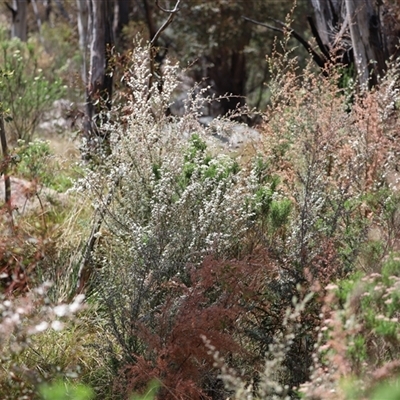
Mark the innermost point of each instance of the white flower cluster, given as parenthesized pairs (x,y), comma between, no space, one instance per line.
(174,200)
(32,314)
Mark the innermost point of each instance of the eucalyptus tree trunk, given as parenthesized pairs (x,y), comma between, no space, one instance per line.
(48,9)
(327,15)
(19,12)
(99,80)
(365,32)
(83,29)
(4,164)
(122,9)
(351,31)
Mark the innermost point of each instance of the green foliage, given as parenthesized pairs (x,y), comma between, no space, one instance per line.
(26,93)
(33,159)
(64,391)
(364,319)
(346,286)
(36,162)
(214,168)
(357,349)
(280,212)
(61,390)
(61,50)
(379,301)
(265,188)
(270,208)
(388,391)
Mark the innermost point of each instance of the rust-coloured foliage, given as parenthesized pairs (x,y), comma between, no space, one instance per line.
(214,305)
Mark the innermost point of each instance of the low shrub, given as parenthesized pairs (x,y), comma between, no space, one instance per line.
(26,93)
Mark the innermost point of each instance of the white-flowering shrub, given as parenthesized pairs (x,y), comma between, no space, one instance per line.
(166,200)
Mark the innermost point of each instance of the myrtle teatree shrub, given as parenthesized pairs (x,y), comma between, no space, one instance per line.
(309,141)
(167,200)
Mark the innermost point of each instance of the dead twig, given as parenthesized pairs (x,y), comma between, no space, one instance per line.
(153,41)
(174,10)
(319,60)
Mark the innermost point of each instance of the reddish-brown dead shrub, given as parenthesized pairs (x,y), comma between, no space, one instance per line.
(214,305)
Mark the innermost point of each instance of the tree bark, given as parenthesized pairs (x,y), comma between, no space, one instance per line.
(365,37)
(48,9)
(149,19)
(358,33)
(4,169)
(18,26)
(328,15)
(38,20)
(61,9)
(97,48)
(351,31)
(122,9)
(83,29)
(99,83)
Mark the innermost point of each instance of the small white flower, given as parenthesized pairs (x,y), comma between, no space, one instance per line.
(57,325)
(77,304)
(41,327)
(61,310)
(15,318)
